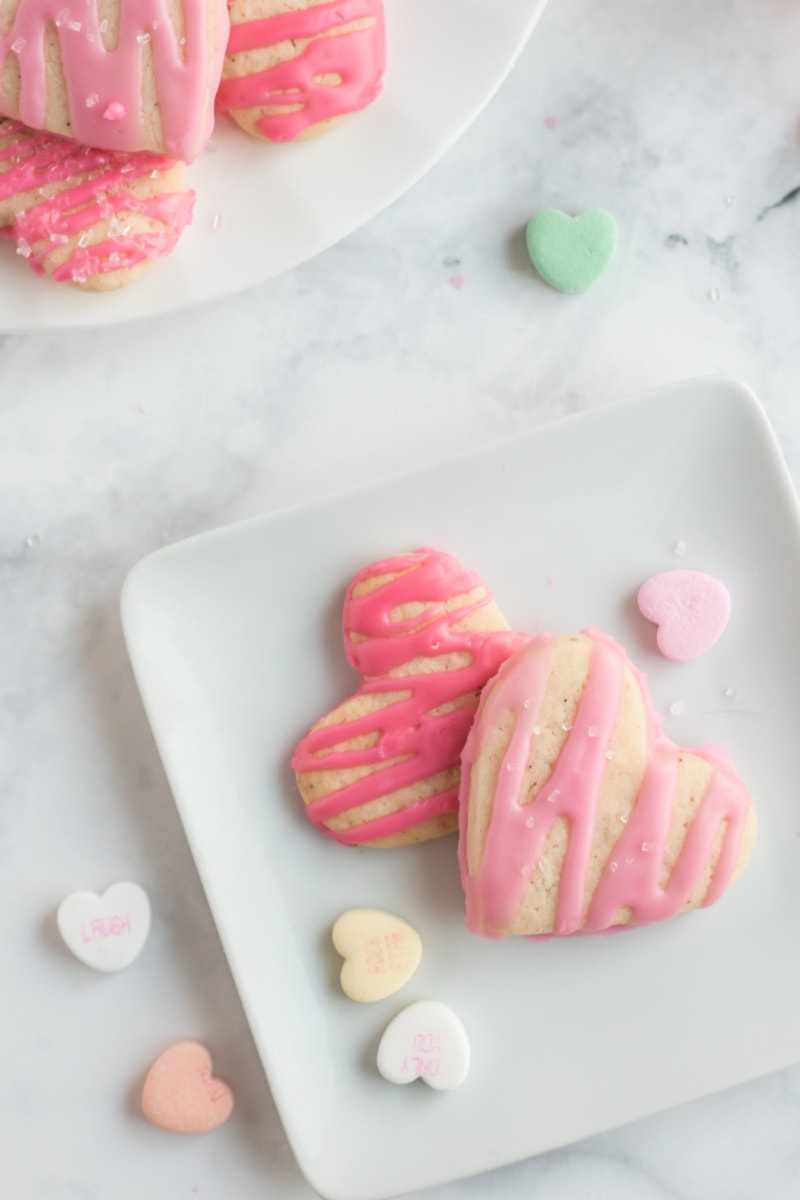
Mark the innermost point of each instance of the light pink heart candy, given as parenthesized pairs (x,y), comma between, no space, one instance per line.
(690,608)
(181,1093)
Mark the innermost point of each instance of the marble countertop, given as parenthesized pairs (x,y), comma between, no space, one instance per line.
(681,118)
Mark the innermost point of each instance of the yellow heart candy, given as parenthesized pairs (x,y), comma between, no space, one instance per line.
(381,952)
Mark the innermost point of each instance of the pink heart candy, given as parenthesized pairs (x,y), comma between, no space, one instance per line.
(181,1094)
(690,608)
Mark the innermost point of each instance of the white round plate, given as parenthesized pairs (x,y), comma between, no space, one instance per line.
(263,209)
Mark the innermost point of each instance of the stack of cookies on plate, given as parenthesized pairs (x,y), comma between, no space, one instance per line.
(575,813)
(103,103)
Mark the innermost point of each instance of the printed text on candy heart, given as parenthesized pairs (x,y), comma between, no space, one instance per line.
(425,1058)
(215,1089)
(102,927)
(385,954)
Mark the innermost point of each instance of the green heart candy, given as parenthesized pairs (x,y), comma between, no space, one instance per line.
(570,253)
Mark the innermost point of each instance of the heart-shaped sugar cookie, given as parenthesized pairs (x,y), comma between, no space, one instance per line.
(577,813)
(181,1094)
(425,635)
(106,932)
(336,65)
(570,253)
(121,75)
(381,952)
(690,608)
(425,1041)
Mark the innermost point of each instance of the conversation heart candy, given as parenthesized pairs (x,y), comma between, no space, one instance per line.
(570,253)
(180,1093)
(425,1041)
(381,952)
(690,608)
(106,932)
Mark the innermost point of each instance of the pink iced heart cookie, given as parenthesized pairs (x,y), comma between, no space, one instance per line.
(577,813)
(181,1094)
(296,68)
(381,769)
(117,75)
(690,608)
(104,218)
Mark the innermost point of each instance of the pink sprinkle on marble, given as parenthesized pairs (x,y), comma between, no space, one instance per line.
(459,282)
(115,111)
(552,122)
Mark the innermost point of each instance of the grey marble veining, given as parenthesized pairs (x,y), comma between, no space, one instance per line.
(682,118)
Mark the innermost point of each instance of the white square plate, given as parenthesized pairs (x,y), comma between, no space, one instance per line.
(235,642)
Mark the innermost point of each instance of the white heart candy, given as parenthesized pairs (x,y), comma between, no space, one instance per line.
(106,932)
(425,1041)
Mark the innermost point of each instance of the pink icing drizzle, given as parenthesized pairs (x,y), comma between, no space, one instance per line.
(99,193)
(358,57)
(408,727)
(513,847)
(96,77)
